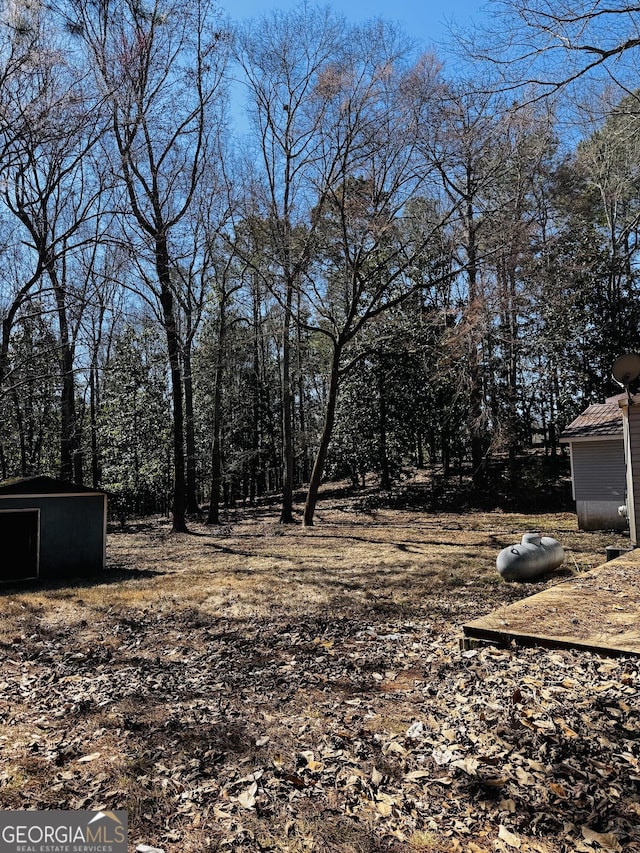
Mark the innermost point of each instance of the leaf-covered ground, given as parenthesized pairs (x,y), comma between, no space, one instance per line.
(259,687)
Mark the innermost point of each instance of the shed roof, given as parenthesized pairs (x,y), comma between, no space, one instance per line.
(600,420)
(41,485)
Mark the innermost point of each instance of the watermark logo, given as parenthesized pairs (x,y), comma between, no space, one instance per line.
(63,832)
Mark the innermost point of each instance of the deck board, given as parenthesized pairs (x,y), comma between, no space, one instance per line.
(596,611)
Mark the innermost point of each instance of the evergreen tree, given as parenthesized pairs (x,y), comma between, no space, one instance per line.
(134,431)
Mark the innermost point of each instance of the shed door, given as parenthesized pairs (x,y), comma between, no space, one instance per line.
(18,544)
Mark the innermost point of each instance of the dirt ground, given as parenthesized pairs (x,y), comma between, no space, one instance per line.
(259,687)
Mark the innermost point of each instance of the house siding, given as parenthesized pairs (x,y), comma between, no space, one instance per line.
(599,470)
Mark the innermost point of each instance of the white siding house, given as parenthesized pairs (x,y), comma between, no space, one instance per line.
(598,473)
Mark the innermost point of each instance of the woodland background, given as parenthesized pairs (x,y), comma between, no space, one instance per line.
(393,259)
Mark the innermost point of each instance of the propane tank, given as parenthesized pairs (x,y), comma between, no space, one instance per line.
(534,556)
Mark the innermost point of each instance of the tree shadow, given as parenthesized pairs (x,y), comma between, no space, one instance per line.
(115,573)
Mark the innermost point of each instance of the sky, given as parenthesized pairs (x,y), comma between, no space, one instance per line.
(426,21)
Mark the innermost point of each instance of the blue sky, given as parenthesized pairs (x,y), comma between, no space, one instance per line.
(424,20)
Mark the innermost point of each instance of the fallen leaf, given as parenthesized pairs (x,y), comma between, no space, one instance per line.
(394,746)
(415,730)
(442,756)
(566,730)
(606,840)
(524,778)
(384,808)
(494,781)
(295,780)
(416,776)
(86,758)
(469,765)
(310,762)
(509,838)
(247,798)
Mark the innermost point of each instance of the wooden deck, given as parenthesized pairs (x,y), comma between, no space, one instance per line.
(597,611)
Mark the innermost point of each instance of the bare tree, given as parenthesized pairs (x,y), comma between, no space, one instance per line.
(160,70)
(373,165)
(468,161)
(284,58)
(226,283)
(49,129)
(544,46)
(18,47)
(199,273)
(103,268)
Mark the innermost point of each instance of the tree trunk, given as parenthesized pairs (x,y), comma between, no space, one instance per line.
(3,464)
(286,515)
(512,373)
(256,482)
(173,349)
(213,516)
(475,378)
(93,406)
(321,455)
(385,477)
(190,435)
(94,401)
(302,415)
(4,349)
(20,423)
(69,467)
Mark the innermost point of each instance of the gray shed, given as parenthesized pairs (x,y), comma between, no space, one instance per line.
(598,474)
(50,529)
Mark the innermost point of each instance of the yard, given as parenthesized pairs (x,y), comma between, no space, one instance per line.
(260,687)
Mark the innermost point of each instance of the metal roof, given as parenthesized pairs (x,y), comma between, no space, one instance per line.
(600,420)
(43,486)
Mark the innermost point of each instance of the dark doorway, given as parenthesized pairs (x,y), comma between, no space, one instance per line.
(19,545)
